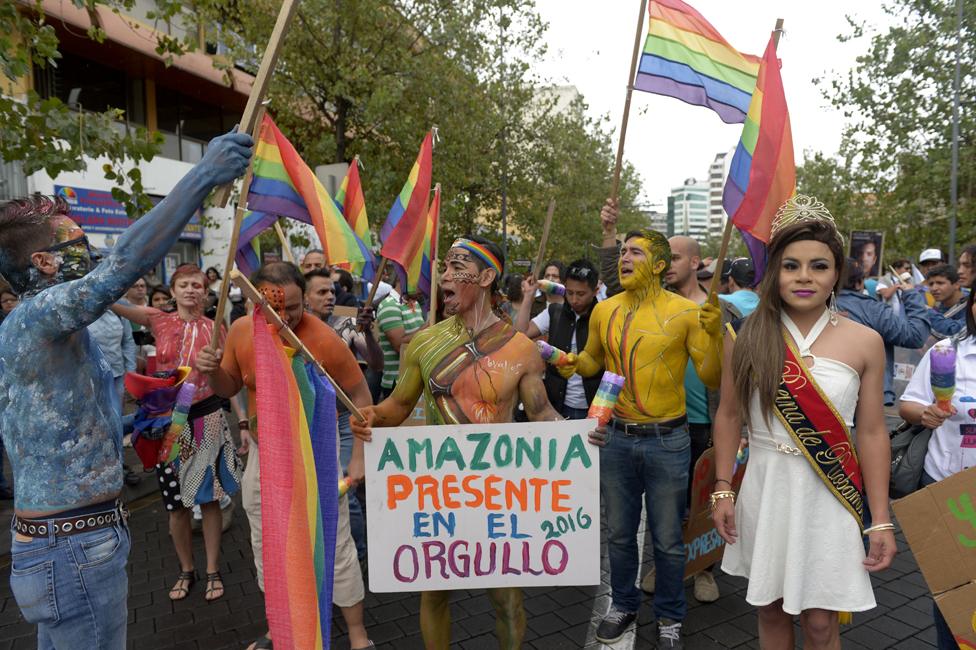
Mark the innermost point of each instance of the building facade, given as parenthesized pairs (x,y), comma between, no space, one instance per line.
(691,209)
(718,171)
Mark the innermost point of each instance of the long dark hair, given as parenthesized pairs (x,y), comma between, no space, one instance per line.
(757,360)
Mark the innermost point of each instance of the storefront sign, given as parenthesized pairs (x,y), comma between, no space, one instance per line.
(97,212)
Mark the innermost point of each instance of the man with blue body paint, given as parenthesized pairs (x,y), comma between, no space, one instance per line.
(57,397)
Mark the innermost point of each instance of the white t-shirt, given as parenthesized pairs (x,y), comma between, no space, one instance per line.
(952,447)
(575,395)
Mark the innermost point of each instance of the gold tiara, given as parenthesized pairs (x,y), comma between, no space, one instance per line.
(799,209)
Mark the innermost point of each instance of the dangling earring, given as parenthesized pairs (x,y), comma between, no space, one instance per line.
(832,308)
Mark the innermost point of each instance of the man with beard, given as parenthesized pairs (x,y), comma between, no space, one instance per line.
(59,425)
(471,367)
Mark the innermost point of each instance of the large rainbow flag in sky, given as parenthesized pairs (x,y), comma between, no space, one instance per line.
(762,176)
(406,228)
(352,204)
(685,57)
(283,185)
(300,495)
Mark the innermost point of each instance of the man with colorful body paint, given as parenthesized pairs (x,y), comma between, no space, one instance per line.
(471,367)
(647,334)
(57,394)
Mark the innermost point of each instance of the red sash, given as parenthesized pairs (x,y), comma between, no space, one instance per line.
(819,432)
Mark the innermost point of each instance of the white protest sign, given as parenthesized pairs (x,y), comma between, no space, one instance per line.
(483,505)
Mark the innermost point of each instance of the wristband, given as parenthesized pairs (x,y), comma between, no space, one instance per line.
(722,480)
(244,424)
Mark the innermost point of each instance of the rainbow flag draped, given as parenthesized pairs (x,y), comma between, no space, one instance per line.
(283,185)
(299,487)
(352,205)
(762,175)
(685,57)
(406,228)
(248,256)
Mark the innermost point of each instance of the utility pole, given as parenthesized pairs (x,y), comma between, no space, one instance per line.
(954,174)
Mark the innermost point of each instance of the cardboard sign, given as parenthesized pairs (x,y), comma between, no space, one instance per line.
(483,505)
(703,545)
(939,522)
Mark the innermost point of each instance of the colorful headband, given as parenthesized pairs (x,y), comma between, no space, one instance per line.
(483,253)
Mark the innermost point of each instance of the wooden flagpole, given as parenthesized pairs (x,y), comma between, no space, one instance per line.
(615,188)
(727,234)
(435,277)
(271,315)
(285,248)
(376,282)
(261,81)
(235,235)
(540,256)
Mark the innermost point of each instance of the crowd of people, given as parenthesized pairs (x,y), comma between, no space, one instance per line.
(700,370)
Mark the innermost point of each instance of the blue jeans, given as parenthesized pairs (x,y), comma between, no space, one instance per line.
(357,523)
(943,635)
(573,413)
(74,587)
(657,465)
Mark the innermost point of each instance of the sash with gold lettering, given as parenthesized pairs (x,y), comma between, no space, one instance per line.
(819,431)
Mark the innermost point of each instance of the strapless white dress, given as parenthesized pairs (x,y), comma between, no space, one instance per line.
(796,541)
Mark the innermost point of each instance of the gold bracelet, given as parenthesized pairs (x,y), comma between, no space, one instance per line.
(721,494)
(877,528)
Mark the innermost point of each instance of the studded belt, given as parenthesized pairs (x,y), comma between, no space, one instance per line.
(71,525)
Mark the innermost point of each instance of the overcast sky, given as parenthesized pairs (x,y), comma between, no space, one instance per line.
(667,140)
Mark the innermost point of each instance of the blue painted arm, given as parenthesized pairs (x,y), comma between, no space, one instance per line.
(71,306)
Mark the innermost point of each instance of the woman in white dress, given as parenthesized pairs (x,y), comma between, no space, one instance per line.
(796,375)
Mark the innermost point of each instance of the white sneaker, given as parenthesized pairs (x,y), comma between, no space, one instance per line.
(706,589)
(647,584)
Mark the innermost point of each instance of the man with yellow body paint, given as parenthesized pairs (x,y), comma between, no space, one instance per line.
(647,334)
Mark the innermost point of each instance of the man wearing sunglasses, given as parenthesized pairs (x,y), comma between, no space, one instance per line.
(60,428)
(566,324)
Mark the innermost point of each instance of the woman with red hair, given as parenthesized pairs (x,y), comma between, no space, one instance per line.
(207,466)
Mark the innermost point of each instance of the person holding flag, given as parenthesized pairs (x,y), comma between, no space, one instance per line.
(794,530)
(471,367)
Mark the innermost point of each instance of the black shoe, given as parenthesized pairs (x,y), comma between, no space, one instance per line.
(669,635)
(6,494)
(614,624)
(132,479)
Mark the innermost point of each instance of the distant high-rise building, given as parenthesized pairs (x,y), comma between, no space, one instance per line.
(657,220)
(691,209)
(718,171)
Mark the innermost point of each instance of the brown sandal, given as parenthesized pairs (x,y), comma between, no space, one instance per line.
(214,583)
(184,583)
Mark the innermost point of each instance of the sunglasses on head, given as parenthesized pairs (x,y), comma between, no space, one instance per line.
(578,273)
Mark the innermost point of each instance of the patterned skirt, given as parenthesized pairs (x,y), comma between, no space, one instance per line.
(207,468)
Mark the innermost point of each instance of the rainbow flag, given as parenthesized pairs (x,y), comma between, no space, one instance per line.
(406,228)
(421,269)
(762,175)
(283,185)
(299,487)
(248,255)
(685,57)
(352,205)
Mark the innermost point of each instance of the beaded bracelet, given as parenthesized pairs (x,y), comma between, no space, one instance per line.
(721,494)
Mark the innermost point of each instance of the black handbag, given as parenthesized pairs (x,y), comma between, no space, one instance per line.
(909,444)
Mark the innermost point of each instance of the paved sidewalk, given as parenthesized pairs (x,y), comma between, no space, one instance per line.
(557,618)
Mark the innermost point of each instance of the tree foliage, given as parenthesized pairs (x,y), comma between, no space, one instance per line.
(44,133)
(893,169)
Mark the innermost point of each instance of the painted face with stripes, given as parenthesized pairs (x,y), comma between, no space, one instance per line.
(464,282)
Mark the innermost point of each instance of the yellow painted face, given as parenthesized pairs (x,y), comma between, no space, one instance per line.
(640,265)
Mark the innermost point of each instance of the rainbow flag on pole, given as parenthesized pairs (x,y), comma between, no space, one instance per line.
(406,228)
(248,256)
(300,495)
(352,205)
(685,57)
(283,185)
(421,269)
(762,176)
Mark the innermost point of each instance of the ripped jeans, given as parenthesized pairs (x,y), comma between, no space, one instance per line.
(74,587)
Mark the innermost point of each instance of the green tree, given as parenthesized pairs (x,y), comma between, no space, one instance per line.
(45,134)
(893,169)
